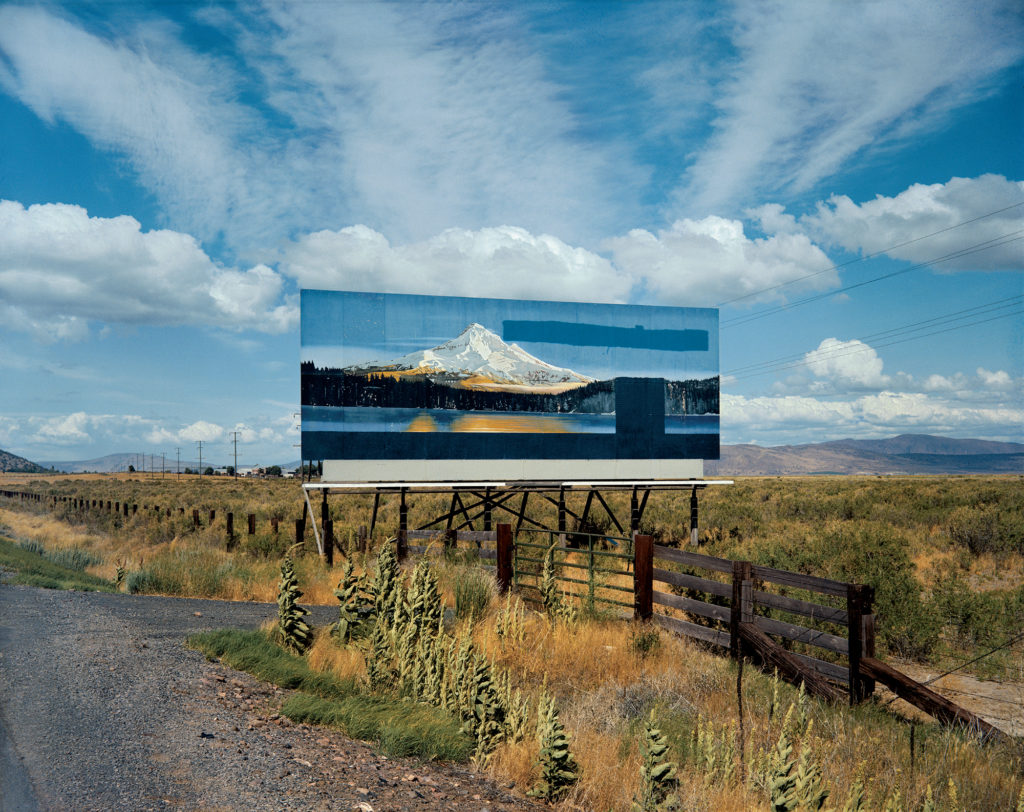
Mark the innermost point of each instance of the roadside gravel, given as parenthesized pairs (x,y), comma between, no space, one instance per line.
(102,707)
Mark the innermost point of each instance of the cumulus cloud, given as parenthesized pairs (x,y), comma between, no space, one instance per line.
(919,210)
(61,268)
(814,85)
(75,429)
(83,435)
(793,418)
(703,262)
(503,261)
(851,363)
(999,379)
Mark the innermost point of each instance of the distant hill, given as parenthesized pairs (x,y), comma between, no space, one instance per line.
(12,463)
(111,463)
(115,463)
(905,454)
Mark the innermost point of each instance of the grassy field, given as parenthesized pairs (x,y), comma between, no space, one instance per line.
(946,556)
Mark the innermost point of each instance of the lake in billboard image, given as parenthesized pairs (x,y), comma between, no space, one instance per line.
(535,389)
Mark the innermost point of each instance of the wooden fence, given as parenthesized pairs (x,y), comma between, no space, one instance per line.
(746,612)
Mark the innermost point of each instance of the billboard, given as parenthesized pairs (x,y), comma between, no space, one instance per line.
(400,387)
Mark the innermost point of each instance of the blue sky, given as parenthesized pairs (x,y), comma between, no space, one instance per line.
(843,179)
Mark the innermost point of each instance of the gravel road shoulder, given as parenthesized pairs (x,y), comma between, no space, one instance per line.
(102,707)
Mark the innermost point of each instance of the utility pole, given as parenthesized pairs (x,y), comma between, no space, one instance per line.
(234,436)
(200,444)
(177,468)
(163,464)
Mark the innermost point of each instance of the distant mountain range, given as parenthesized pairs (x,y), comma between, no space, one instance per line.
(477,358)
(905,454)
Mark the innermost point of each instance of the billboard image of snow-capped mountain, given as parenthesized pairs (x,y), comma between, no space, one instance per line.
(477,359)
(380,372)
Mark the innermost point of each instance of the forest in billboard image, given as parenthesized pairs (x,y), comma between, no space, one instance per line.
(379,365)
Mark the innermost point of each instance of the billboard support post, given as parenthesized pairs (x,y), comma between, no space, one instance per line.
(403,528)
(694,535)
(504,557)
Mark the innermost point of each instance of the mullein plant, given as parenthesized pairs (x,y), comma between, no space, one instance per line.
(352,594)
(658,774)
(556,602)
(295,632)
(559,771)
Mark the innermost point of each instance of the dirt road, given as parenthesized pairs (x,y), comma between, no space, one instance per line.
(102,707)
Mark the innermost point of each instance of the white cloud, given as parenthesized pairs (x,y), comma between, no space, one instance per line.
(84,435)
(921,209)
(503,261)
(999,379)
(802,419)
(201,430)
(172,113)
(75,429)
(943,383)
(850,363)
(816,84)
(703,262)
(60,268)
(372,111)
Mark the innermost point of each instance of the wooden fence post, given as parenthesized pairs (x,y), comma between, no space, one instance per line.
(230,530)
(504,557)
(451,539)
(195,517)
(854,629)
(740,573)
(252,524)
(361,539)
(868,635)
(213,515)
(300,531)
(274,521)
(643,577)
(329,542)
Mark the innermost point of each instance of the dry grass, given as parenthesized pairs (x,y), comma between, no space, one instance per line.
(603,683)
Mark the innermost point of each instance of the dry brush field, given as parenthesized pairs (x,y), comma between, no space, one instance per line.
(945,555)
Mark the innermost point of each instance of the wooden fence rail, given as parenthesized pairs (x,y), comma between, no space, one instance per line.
(737,605)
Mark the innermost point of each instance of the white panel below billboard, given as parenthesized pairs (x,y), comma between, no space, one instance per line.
(397,471)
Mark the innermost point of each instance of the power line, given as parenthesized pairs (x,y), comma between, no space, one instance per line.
(879,346)
(995,242)
(866,257)
(786,362)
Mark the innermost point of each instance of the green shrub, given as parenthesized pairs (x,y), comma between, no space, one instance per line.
(74,558)
(473,589)
(977,529)
(32,547)
(140,582)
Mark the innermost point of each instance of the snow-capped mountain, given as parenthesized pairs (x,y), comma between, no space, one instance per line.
(478,353)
